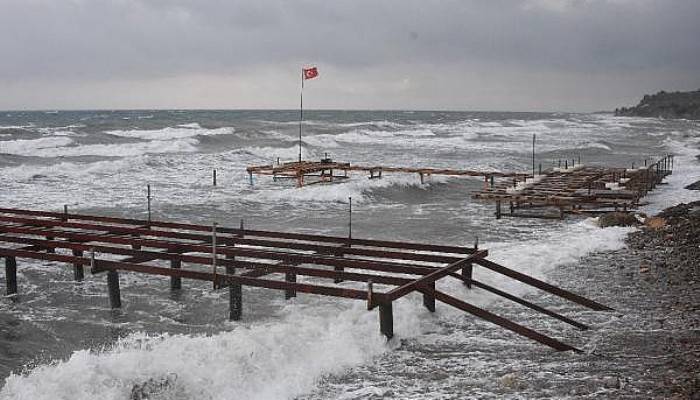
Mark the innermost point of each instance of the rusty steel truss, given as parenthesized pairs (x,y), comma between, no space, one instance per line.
(572,189)
(326,170)
(376,271)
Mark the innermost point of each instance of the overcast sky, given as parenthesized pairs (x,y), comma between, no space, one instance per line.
(519,55)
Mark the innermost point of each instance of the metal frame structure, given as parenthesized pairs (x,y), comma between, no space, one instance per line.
(575,190)
(376,271)
(325,171)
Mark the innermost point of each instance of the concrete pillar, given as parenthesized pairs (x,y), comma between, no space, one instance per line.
(175,281)
(113,287)
(386,320)
(289,293)
(467,274)
(11,275)
(429,299)
(78,270)
(235,301)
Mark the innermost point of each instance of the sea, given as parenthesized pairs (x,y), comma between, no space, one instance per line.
(60,340)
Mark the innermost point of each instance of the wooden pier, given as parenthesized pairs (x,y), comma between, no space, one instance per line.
(326,170)
(576,189)
(378,272)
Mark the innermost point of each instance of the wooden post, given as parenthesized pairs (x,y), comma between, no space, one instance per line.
(113,287)
(65,213)
(429,299)
(421,178)
(78,271)
(214,177)
(175,281)
(386,320)
(491,181)
(498,209)
(11,275)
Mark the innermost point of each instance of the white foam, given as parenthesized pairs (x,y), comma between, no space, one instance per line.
(540,255)
(275,360)
(3,127)
(33,147)
(284,358)
(284,153)
(169,133)
(357,187)
(122,150)
(686,170)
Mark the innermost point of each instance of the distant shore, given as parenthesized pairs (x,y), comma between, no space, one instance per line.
(665,105)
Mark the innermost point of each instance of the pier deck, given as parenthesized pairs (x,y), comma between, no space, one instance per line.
(579,189)
(378,272)
(327,171)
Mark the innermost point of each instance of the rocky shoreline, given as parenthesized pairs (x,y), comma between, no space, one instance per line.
(669,274)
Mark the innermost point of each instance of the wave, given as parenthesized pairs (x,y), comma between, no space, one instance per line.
(285,154)
(686,171)
(283,358)
(358,187)
(169,133)
(33,147)
(58,147)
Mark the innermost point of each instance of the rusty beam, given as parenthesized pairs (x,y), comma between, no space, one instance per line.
(542,285)
(502,322)
(260,233)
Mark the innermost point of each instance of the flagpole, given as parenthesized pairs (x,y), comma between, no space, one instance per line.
(301,109)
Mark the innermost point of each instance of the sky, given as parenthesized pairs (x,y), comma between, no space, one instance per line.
(490,55)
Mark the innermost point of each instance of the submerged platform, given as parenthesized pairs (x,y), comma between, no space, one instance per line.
(576,190)
(378,272)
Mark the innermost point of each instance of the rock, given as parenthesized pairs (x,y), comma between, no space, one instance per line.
(511,381)
(612,382)
(694,186)
(617,219)
(655,223)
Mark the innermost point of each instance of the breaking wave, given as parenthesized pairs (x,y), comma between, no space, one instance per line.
(169,133)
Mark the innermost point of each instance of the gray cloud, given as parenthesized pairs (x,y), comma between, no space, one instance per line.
(526,54)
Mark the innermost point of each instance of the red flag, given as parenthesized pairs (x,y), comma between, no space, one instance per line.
(310,73)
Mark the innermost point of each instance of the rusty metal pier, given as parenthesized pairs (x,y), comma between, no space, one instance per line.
(577,189)
(378,272)
(326,170)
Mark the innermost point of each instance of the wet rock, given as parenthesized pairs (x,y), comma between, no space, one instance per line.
(694,186)
(152,388)
(617,219)
(612,382)
(512,381)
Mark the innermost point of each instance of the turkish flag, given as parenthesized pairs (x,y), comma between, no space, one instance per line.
(310,73)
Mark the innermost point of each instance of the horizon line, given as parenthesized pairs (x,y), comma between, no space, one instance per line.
(57,110)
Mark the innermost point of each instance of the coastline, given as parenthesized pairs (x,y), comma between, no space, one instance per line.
(648,347)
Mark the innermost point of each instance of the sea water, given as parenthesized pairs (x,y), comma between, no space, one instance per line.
(60,340)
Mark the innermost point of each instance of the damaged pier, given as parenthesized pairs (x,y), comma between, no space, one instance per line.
(377,272)
(577,190)
(327,170)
